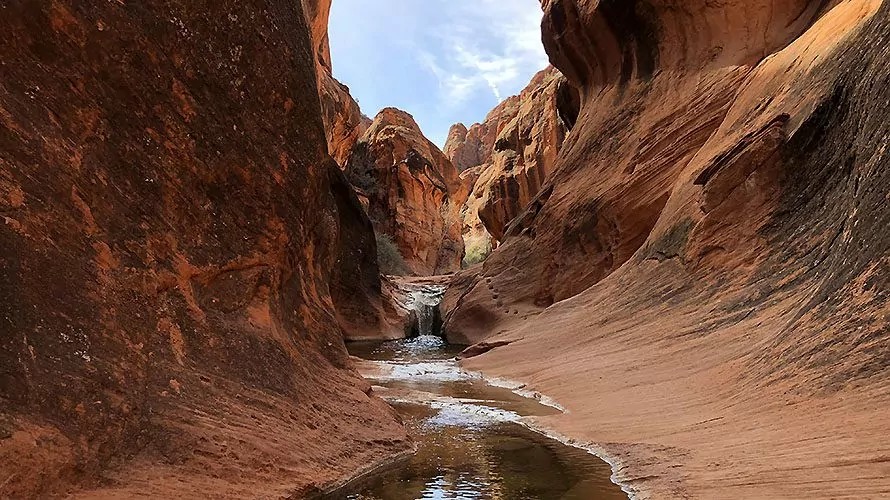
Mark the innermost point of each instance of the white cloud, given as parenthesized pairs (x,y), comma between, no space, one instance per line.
(454,87)
(441,60)
(485,44)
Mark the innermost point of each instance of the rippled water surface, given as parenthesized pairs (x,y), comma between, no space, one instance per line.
(470,445)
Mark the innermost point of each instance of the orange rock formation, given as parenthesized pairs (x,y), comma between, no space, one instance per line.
(514,150)
(343,120)
(702,280)
(414,192)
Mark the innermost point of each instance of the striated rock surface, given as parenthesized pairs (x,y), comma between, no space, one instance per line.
(343,119)
(468,148)
(318,14)
(639,126)
(477,240)
(456,149)
(169,231)
(414,192)
(525,150)
(712,247)
(515,149)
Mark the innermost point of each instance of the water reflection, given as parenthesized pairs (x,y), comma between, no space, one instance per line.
(419,349)
(469,444)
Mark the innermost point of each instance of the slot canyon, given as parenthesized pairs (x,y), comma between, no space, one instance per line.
(664,264)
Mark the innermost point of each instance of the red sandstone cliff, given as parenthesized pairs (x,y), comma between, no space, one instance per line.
(514,150)
(356,289)
(169,231)
(712,247)
(414,192)
(343,120)
(468,148)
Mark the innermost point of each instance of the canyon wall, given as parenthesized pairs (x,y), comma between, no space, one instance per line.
(171,230)
(468,148)
(356,289)
(514,149)
(414,193)
(708,260)
(343,120)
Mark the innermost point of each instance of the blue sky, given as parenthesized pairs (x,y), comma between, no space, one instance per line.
(443,61)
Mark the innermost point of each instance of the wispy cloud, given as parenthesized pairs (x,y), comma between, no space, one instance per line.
(441,60)
(454,87)
(490,44)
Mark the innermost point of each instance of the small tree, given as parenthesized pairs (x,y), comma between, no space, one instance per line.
(389,258)
(477,252)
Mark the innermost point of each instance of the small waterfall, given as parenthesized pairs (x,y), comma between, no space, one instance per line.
(424,302)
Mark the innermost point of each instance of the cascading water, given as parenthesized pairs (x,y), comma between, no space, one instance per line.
(472,440)
(425,301)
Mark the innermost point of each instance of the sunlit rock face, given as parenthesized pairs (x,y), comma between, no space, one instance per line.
(468,148)
(414,192)
(710,248)
(509,156)
(343,120)
(461,154)
(168,238)
(654,86)
(476,237)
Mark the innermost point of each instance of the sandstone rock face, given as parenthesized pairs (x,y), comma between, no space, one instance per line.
(356,289)
(343,120)
(355,279)
(468,148)
(414,193)
(168,236)
(525,151)
(637,130)
(317,14)
(515,149)
(477,239)
(456,148)
(717,221)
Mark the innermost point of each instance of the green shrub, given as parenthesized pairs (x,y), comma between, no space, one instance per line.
(477,251)
(360,169)
(389,258)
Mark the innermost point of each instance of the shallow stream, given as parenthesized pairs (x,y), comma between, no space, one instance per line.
(470,442)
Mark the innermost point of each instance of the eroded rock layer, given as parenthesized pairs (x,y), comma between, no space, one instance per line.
(168,236)
(414,192)
(468,148)
(712,245)
(515,149)
(639,126)
(478,242)
(355,278)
